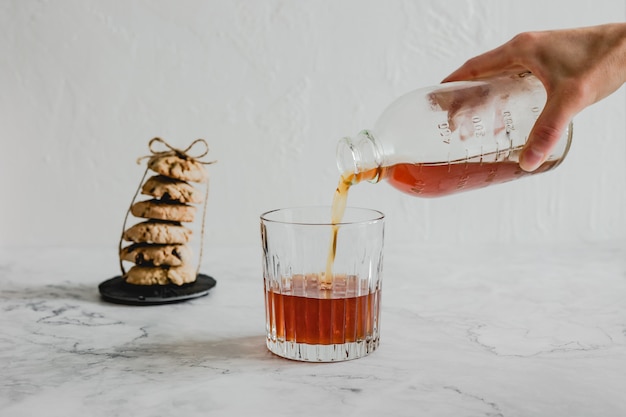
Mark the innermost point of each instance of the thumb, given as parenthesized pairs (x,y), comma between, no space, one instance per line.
(544,136)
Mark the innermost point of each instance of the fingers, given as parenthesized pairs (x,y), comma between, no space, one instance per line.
(541,142)
(495,62)
(546,133)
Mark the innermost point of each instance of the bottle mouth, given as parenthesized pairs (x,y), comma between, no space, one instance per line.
(348,157)
(358,155)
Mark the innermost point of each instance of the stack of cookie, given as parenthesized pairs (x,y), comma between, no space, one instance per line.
(159,247)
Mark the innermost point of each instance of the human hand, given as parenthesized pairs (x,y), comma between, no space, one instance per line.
(578,67)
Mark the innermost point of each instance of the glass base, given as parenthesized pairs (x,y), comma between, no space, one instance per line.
(322,353)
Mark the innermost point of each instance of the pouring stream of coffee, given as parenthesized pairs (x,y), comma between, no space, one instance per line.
(338,209)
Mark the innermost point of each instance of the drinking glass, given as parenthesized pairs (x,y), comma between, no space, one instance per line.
(323,282)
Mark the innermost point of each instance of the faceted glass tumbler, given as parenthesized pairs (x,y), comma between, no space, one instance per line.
(322,282)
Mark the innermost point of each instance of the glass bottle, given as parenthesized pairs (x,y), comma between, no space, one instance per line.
(451,137)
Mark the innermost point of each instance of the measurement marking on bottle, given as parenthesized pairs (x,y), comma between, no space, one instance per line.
(418,186)
(508,121)
(536,111)
(445,132)
(479,127)
(491,174)
(462,181)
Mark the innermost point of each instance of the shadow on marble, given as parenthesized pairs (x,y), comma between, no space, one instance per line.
(217,355)
(236,347)
(61,291)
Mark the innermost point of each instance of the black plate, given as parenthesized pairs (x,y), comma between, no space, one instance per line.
(117,290)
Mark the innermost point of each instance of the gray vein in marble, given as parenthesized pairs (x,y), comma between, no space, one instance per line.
(496,412)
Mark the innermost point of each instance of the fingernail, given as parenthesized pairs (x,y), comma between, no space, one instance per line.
(531,159)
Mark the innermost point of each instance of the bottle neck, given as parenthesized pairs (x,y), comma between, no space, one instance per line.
(360,158)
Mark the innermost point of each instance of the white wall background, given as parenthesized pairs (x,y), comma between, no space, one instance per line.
(271,85)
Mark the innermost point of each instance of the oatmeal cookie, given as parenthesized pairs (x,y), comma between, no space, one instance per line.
(178,167)
(166,188)
(154,231)
(163,210)
(145,254)
(154,275)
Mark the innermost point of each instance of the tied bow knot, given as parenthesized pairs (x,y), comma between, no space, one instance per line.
(181,153)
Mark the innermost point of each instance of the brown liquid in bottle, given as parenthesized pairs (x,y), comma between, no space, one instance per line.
(438,180)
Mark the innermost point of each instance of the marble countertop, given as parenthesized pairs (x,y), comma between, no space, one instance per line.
(474,330)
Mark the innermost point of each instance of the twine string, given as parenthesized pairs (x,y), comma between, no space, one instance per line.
(145,172)
(206,199)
